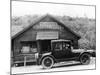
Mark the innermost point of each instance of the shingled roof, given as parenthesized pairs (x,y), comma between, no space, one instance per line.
(38,20)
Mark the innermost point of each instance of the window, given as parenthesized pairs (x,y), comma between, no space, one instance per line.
(66,46)
(33,48)
(28,47)
(58,46)
(25,49)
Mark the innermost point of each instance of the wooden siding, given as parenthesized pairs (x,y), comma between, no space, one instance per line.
(29,35)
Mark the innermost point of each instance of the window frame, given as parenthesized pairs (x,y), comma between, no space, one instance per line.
(56,49)
(23,43)
(64,48)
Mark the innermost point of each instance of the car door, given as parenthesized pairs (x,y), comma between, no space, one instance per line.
(58,51)
(66,50)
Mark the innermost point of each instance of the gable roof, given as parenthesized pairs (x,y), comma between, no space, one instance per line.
(38,20)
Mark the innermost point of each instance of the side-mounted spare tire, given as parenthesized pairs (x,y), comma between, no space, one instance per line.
(47,62)
(85,59)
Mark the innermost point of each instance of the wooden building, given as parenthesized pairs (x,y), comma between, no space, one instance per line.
(39,34)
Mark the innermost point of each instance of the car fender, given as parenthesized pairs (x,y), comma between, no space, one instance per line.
(86,52)
(82,51)
(45,55)
(90,52)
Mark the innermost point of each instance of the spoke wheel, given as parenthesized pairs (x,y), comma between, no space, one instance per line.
(47,62)
(85,59)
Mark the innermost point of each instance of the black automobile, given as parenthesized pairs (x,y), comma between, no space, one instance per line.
(62,50)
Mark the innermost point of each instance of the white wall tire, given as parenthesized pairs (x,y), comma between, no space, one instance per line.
(47,62)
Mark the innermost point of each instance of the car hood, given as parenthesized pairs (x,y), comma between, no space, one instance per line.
(81,51)
(78,50)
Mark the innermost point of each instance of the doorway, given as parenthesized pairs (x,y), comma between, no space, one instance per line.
(45,46)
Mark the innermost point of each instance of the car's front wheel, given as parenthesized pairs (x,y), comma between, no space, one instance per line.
(47,62)
(85,59)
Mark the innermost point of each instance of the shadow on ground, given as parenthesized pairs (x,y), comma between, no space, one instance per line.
(68,65)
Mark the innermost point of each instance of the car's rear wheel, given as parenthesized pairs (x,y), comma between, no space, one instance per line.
(85,59)
(47,62)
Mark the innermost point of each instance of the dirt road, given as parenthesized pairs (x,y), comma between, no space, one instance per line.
(63,66)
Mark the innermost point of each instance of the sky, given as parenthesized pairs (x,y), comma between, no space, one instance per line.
(31,8)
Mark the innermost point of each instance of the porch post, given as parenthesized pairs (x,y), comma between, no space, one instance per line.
(38,46)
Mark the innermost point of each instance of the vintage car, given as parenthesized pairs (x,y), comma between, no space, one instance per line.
(60,51)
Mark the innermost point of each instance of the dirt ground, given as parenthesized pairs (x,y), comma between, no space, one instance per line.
(63,66)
